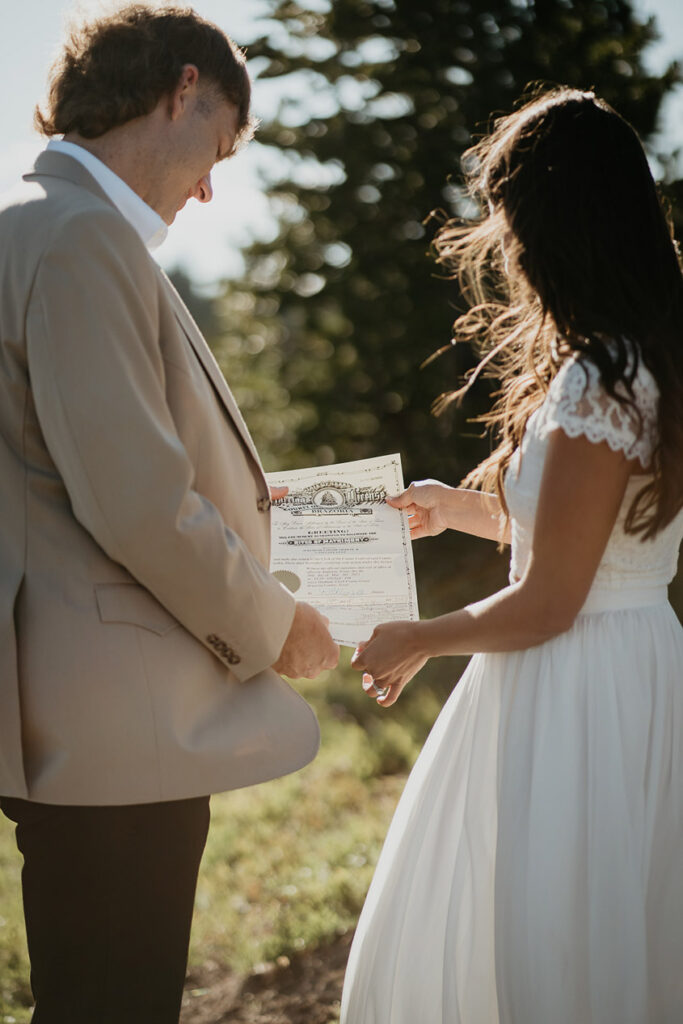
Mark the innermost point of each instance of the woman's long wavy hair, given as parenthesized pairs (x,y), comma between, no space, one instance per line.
(575,255)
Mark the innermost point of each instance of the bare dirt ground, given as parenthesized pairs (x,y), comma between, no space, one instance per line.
(303,989)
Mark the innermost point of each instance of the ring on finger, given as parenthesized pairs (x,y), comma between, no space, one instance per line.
(381,691)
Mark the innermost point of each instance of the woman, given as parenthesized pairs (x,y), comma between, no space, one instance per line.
(532,872)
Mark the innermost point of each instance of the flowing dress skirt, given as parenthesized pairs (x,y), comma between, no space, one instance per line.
(533,872)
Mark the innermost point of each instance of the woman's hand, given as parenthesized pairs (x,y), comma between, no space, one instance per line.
(278,492)
(425,503)
(433,507)
(389,660)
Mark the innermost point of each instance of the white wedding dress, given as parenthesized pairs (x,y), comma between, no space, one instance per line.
(533,872)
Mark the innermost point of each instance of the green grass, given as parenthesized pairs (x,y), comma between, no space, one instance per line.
(15,994)
(288,863)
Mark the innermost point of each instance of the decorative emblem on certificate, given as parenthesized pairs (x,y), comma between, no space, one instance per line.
(332,498)
(339,546)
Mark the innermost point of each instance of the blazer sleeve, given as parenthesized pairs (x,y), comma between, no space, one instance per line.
(97,377)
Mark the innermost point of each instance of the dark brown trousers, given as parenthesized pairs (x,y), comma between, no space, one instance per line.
(108,897)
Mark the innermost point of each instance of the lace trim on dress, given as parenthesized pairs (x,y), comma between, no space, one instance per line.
(578,404)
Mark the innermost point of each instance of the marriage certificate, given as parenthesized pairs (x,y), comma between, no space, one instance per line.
(337,545)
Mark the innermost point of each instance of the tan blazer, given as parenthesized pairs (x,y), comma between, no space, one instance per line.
(138,620)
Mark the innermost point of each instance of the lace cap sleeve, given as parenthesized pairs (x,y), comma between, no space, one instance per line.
(578,404)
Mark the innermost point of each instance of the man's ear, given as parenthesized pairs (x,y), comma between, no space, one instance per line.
(184,90)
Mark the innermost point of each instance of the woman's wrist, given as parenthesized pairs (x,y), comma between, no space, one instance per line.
(450,506)
(460,502)
(440,636)
(474,512)
(425,638)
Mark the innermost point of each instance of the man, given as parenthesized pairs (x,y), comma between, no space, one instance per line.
(140,631)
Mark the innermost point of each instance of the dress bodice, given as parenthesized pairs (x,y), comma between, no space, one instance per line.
(578,404)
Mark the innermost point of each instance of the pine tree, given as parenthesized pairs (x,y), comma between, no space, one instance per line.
(335,316)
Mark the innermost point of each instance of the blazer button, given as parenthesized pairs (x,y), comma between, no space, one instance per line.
(263,504)
(220,646)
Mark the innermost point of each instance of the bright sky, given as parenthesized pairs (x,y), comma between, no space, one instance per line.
(205,239)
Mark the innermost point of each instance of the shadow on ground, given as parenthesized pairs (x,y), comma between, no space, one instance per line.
(303,989)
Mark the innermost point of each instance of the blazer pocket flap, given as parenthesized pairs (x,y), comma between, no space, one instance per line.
(132,604)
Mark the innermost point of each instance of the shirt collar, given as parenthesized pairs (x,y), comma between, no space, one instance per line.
(146,221)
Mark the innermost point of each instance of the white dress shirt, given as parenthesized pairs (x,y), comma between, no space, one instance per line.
(151,228)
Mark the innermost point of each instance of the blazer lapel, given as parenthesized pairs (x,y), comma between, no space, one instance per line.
(206,358)
(53,164)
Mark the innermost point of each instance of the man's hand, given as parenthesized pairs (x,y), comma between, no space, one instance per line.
(309,648)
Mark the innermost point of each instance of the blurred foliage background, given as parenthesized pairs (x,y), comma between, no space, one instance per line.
(324,337)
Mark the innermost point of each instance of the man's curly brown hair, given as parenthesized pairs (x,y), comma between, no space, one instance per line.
(117,67)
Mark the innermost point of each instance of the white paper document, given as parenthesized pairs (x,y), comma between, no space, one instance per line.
(337,545)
